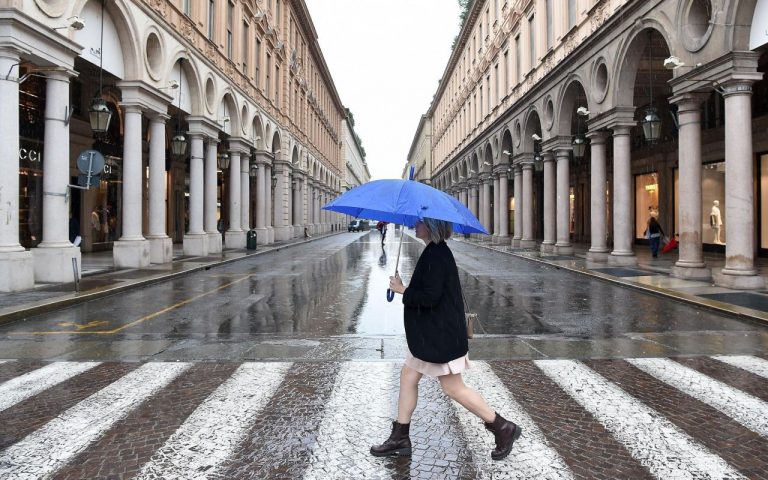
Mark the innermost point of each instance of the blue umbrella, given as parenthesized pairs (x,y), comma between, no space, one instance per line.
(404,202)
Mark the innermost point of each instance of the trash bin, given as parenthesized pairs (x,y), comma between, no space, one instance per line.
(250,240)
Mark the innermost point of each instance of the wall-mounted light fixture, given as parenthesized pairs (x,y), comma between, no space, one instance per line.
(75,23)
(99,114)
(223,161)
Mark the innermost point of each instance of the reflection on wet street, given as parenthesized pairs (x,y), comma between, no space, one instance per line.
(327,299)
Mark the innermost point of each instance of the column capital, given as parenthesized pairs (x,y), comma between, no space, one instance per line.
(239,145)
(736,87)
(148,97)
(689,101)
(518,170)
(597,137)
(563,153)
(547,157)
(527,166)
(156,117)
(262,157)
(61,74)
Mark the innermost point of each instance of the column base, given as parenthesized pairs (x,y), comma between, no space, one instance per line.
(271,234)
(600,256)
(738,280)
(54,264)
(196,244)
(234,239)
(547,247)
(527,243)
(502,240)
(283,233)
(17,271)
(214,243)
(564,249)
(160,249)
(130,253)
(515,243)
(624,260)
(691,272)
(262,236)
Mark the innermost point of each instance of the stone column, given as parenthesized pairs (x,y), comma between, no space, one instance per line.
(132,250)
(518,195)
(234,236)
(622,253)
(496,208)
(504,208)
(262,237)
(298,203)
(528,241)
(268,204)
(487,212)
(196,240)
(16,264)
(160,244)
(316,209)
(211,199)
(465,197)
(563,245)
(473,200)
(550,202)
(690,263)
(282,202)
(739,271)
(53,256)
(598,252)
(245,191)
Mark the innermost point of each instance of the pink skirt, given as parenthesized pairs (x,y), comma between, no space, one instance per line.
(457,365)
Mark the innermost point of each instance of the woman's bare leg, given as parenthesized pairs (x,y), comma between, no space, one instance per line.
(409,394)
(454,387)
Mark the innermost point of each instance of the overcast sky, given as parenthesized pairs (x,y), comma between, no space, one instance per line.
(386,57)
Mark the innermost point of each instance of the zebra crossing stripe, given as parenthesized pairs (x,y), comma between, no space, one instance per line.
(742,407)
(358,414)
(531,457)
(755,365)
(49,448)
(659,445)
(213,431)
(3,361)
(25,386)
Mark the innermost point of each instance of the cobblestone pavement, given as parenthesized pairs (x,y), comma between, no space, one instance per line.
(682,417)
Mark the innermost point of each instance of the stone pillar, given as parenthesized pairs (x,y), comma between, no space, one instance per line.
(53,256)
(550,202)
(282,202)
(473,200)
(211,199)
(504,208)
(563,245)
(132,250)
(298,204)
(245,191)
(598,251)
(465,197)
(622,253)
(262,237)
(528,241)
(496,209)
(487,212)
(316,209)
(690,263)
(16,264)
(739,271)
(268,204)
(160,244)
(518,217)
(234,236)
(196,240)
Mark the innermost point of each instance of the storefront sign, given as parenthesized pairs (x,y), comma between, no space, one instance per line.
(30,155)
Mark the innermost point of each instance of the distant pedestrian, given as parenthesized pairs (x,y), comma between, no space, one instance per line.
(382,228)
(654,233)
(436,332)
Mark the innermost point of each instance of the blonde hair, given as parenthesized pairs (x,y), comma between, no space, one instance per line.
(439,230)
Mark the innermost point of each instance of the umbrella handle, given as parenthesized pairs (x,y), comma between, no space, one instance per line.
(390,295)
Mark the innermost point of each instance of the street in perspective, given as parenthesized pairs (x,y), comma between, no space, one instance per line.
(355,239)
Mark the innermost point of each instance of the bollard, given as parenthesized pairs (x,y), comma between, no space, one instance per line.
(75,274)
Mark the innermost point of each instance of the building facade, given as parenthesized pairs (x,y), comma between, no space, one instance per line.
(224,118)
(356,168)
(420,153)
(577,120)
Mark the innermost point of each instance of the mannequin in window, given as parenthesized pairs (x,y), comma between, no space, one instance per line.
(716,221)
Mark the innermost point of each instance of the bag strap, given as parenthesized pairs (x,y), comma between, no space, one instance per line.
(466,310)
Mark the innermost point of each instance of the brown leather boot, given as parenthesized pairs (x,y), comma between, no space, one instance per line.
(398,443)
(506,433)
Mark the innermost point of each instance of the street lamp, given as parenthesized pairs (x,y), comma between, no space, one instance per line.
(579,142)
(538,158)
(223,161)
(274,180)
(253,170)
(179,143)
(651,121)
(99,114)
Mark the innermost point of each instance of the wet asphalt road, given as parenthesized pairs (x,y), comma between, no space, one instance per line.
(325,300)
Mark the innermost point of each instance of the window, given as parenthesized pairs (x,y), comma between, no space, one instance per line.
(267,84)
(277,13)
(532,39)
(518,63)
(257,62)
(496,83)
(244,54)
(488,92)
(230,27)
(506,73)
(571,14)
(550,29)
(277,85)
(211,18)
(187,7)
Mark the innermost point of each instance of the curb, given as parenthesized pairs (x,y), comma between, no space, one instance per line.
(721,307)
(16,313)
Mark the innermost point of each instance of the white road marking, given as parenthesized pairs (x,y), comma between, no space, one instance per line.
(755,365)
(357,415)
(214,430)
(25,386)
(531,455)
(665,450)
(49,448)
(746,409)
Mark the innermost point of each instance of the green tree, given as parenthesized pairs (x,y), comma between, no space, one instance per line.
(465,6)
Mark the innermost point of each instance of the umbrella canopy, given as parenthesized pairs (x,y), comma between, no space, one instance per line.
(404,202)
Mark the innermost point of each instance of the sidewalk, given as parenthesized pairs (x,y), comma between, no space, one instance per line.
(100,279)
(652,275)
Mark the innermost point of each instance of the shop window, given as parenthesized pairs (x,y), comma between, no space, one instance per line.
(713,203)
(646,201)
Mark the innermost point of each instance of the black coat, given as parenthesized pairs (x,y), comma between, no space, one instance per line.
(435,327)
